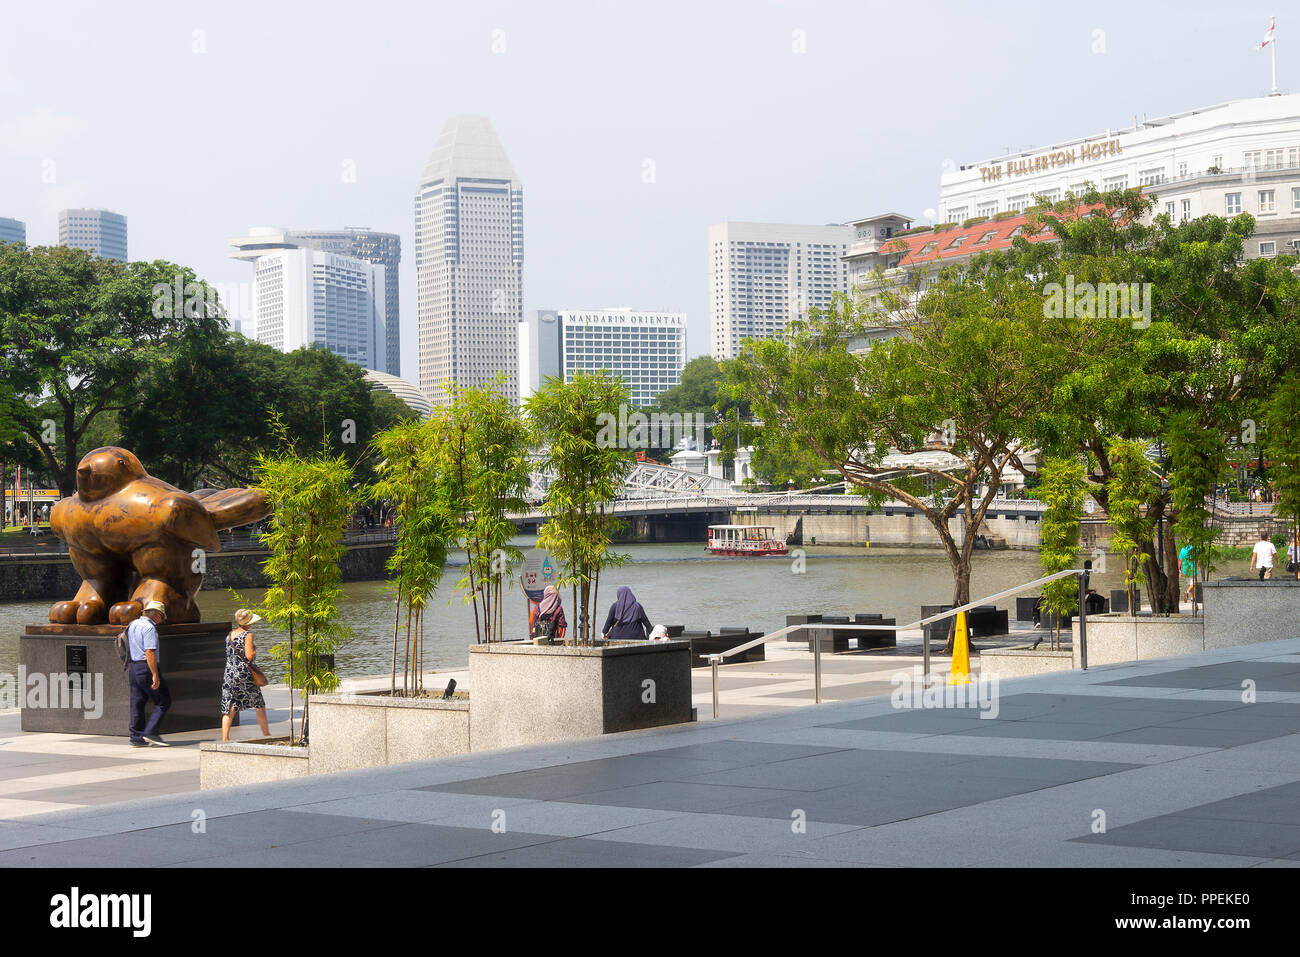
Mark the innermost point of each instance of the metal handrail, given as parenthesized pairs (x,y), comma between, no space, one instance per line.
(716,659)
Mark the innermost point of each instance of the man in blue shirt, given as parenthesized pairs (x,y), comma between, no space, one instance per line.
(147,683)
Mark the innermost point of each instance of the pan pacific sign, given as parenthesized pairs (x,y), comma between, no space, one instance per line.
(1053,159)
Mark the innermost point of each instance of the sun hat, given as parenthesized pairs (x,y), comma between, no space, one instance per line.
(155,605)
(244,618)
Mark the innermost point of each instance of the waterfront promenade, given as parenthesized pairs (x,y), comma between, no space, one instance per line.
(1159,763)
(54,772)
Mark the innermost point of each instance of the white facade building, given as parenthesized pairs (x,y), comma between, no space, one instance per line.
(98,231)
(359,242)
(469,261)
(306,297)
(648,349)
(1241,156)
(763,275)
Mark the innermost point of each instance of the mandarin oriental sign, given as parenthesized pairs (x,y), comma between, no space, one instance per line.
(1083,153)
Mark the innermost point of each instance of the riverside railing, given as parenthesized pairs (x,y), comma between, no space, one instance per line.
(717,659)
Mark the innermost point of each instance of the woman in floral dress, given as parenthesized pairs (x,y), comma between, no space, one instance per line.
(238,690)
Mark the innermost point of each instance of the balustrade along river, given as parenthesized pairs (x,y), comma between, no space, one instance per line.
(678,584)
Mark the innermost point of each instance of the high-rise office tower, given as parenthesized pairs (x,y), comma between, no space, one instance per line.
(359,242)
(12,231)
(99,232)
(469,261)
(305,297)
(762,275)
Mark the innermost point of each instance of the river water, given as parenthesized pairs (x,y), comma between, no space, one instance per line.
(676,583)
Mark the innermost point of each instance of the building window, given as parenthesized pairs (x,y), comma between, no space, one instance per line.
(1273,159)
(986,209)
(1017,204)
(1114,182)
(1295,199)
(1250,159)
(986,237)
(1169,210)
(1182,170)
(1187,210)
(1268,248)
(1151,177)
(1266,201)
(1232,203)
(1218,162)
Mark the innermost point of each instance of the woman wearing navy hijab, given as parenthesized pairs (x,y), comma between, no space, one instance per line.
(626,618)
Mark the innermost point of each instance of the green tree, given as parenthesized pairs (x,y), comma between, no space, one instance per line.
(77,333)
(1281,446)
(570,424)
(963,376)
(1215,332)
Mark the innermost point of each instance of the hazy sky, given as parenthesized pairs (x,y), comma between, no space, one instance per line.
(633,126)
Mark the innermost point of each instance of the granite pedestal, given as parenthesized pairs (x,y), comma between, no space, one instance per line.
(192,659)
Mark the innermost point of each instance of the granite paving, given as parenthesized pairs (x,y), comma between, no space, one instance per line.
(1187,762)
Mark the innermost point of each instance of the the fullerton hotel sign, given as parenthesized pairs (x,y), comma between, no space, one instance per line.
(1083,153)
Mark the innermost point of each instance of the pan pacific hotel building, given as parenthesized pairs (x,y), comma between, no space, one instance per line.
(1237,157)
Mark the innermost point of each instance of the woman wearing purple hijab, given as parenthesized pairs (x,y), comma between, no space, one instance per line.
(552,608)
(626,619)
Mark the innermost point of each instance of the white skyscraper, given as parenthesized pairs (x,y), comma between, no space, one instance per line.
(469,260)
(305,297)
(762,275)
(99,232)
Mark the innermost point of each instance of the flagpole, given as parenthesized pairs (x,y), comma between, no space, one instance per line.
(1273,50)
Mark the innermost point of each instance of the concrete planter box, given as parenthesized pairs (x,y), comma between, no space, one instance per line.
(1115,637)
(529,694)
(367,730)
(1019,662)
(1243,612)
(224,764)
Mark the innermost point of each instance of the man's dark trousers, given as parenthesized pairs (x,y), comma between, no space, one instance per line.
(142,691)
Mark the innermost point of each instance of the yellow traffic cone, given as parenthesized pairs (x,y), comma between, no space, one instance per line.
(959,673)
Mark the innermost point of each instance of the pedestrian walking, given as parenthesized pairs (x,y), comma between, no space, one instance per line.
(239,690)
(626,618)
(1262,557)
(145,674)
(1189,571)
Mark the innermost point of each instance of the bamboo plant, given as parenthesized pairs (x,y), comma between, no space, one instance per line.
(586,474)
(480,447)
(311,498)
(1061,488)
(408,482)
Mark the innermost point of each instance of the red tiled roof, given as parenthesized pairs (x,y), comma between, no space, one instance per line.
(961,243)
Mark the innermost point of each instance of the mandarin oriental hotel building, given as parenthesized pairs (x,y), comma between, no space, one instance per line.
(647,349)
(1237,157)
